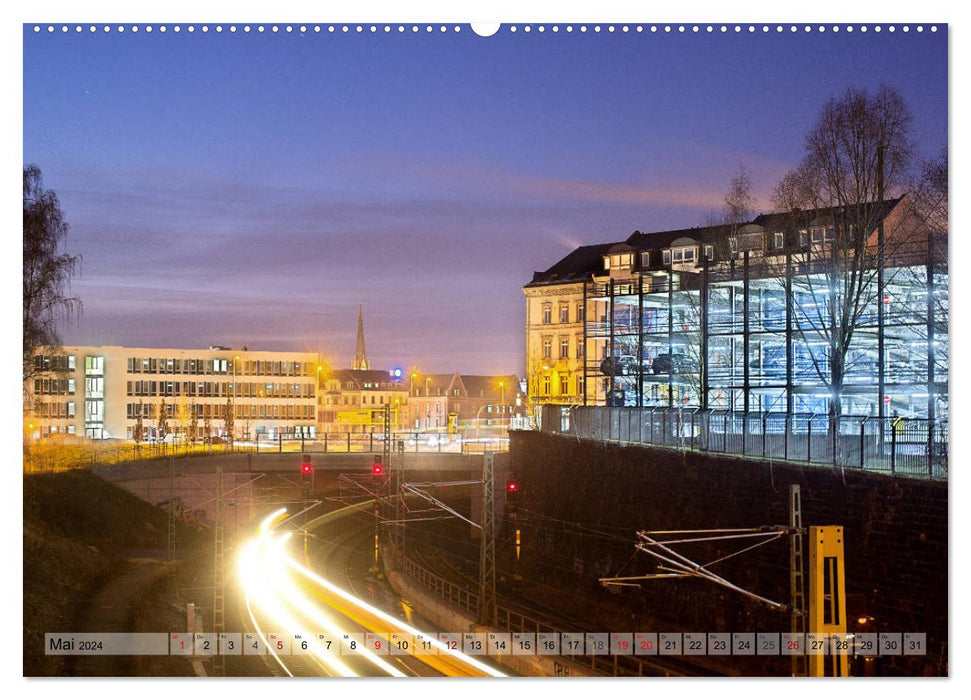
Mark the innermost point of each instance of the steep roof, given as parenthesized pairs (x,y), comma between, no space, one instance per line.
(575,267)
(584,261)
(487,386)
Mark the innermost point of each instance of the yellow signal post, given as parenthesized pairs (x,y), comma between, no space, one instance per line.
(827,600)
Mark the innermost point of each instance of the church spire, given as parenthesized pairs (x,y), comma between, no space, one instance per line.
(360,357)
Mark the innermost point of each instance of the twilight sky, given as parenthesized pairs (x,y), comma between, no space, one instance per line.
(252,189)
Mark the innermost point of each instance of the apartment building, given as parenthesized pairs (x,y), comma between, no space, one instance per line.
(453,402)
(749,317)
(353,400)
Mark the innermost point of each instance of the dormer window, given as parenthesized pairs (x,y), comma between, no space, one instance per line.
(618,261)
(778,239)
(680,256)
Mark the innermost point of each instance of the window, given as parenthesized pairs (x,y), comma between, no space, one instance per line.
(645,259)
(579,347)
(94,364)
(581,314)
(564,313)
(581,385)
(618,260)
(778,239)
(70,409)
(546,385)
(689,254)
(732,245)
(564,384)
(804,238)
(667,257)
(564,348)
(710,252)
(817,235)
(547,348)
(94,387)
(547,314)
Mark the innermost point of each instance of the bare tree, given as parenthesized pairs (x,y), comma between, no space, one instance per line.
(47,270)
(161,420)
(138,432)
(207,429)
(229,420)
(858,150)
(182,416)
(193,425)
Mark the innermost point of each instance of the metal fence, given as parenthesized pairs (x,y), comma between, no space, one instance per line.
(464,442)
(905,446)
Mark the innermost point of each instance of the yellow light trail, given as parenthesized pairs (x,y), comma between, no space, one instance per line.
(263,568)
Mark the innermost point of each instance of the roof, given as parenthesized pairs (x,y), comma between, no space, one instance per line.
(781,221)
(575,267)
(360,377)
(477,385)
(587,260)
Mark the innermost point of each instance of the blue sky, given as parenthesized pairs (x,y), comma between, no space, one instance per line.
(248,189)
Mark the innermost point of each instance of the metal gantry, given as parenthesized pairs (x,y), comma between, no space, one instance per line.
(487,544)
(676,565)
(218,596)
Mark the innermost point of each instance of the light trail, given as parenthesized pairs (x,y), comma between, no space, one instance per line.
(252,571)
(265,571)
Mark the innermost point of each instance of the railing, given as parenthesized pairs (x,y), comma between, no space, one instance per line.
(50,455)
(900,446)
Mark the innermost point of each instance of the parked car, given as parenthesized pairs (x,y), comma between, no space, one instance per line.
(667,362)
(617,366)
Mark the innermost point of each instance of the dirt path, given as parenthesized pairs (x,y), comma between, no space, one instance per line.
(116,608)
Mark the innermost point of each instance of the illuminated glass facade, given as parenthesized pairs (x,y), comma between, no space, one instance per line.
(758,333)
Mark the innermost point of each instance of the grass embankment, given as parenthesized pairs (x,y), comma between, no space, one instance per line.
(52,456)
(78,532)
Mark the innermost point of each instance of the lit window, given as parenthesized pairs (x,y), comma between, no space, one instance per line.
(564,384)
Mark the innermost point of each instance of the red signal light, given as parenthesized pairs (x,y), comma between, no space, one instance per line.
(306,468)
(377,470)
(511,486)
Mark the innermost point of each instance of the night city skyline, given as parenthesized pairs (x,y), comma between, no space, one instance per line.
(254,189)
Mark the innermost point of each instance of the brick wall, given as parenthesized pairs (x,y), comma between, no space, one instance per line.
(582,503)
